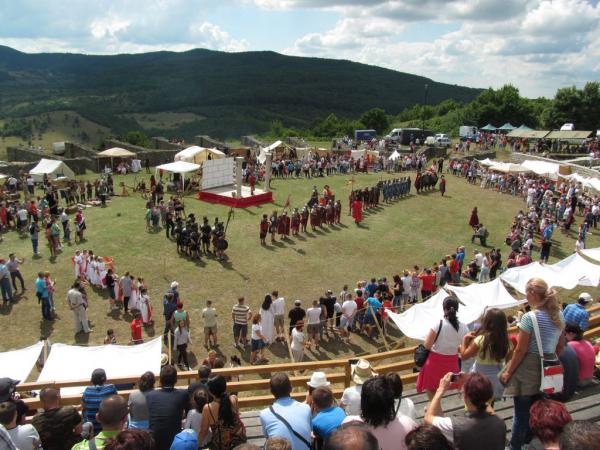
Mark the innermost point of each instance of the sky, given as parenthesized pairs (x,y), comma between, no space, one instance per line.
(536,45)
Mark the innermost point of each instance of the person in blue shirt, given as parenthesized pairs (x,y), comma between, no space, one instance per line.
(286,418)
(548,231)
(372,287)
(576,313)
(328,417)
(41,290)
(460,257)
(372,306)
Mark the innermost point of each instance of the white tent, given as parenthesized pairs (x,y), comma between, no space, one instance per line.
(578,268)
(17,364)
(262,155)
(181,167)
(116,152)
(509,167)
(543,168)
(52,168)
(394,156)
(198,155)
(486,162)
(116,360)
(593,183)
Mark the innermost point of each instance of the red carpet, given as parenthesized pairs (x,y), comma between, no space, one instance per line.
(236,202)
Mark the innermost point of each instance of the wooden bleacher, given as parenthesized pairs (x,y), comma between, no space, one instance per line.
(253,390)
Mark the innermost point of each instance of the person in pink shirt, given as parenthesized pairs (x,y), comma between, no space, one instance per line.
(586,354)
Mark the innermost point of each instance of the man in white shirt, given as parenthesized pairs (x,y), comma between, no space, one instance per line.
(22,216)
(209,315)
(478,258)
(348,311)
(313,315)
(278,308)
(25,437)
(350,401)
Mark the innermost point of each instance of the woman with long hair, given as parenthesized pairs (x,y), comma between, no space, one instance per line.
(222,417)
(378,412)
(267,319)
(522,375)
(490,346)
(443,340)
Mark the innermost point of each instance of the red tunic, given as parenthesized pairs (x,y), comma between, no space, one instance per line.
(357,211)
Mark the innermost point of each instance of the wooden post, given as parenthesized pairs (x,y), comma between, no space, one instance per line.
(45,351)
(169,351)
(348,375)
(379,328)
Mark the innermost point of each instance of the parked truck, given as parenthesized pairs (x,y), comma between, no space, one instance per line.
(467,132)
(364,135)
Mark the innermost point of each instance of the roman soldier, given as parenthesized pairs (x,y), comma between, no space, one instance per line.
(304,218)
(281,225)
(264,229)
(329,213)
(286,224)
(206,231)
(314,218)
(273,225)
(295,221)
(337,212)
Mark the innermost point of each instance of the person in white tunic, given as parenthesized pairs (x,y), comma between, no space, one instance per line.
(77,305)
(267,319)
(78,260)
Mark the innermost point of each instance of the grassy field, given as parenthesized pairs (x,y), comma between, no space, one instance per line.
(419,229)
(164,120)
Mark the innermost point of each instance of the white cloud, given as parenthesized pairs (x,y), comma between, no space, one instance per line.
(209,35)
(537,45)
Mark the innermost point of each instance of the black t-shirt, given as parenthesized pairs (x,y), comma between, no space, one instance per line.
(55,427)
(296,314)
(165,408)
(110,281)
(329,303)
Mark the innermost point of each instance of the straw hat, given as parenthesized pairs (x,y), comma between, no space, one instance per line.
(164,359)
(318,379)
(362,371)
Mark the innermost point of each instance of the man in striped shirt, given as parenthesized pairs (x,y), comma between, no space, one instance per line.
(240,314)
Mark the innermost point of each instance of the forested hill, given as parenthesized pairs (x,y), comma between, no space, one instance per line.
(231,93)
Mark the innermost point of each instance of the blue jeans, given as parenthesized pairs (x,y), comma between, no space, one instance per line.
(34,244)
(6,290)
(46,308)
(521,433)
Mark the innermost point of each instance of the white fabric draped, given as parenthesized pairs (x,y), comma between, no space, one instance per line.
(17,364)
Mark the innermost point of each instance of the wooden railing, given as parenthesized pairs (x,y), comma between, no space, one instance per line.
(338,373)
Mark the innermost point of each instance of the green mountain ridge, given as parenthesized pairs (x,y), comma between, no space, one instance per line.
(233,93)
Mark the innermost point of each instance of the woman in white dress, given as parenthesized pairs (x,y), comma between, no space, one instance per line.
(267,319)
(101,268)
(92,270)
(134,300)
(145,306)
(78,263)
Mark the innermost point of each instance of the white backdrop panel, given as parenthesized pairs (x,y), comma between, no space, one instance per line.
(73,362)
(17,364)
(218,172)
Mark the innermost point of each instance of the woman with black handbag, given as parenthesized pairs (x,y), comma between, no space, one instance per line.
(442,341)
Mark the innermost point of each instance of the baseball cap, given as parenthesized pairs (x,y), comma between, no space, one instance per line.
(185,440)
(585,297)
(7,388)
(297,302)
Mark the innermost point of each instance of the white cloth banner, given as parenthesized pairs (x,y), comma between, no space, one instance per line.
(416,321)
(568,273)
(73,362)
(543,168)
(592,253)
(17,364)
(477,298)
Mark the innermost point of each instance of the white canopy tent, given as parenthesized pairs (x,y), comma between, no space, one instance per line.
(112,153)
(18,364)
(509,168)
(542,168)
(198,155)
(116,360)
(180,167)
(262,155)
(593,183)
(53,168)
(394,156)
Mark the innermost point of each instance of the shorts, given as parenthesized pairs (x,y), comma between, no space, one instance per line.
(279,321)
(313,328)
(344,322)
(369,320)
(211,330)
(240,330)
(257,344)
